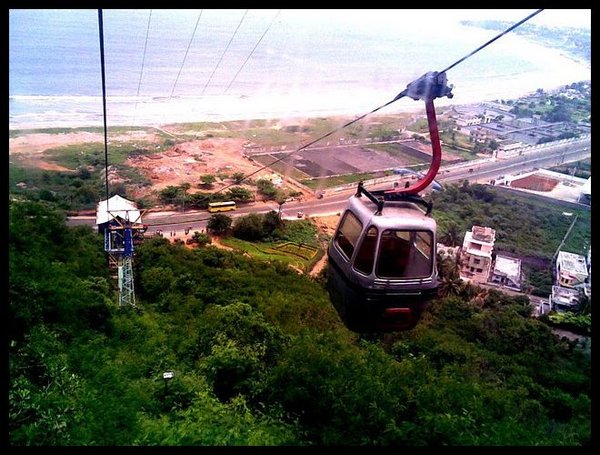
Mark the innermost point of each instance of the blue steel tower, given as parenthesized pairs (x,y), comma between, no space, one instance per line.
(126,290)
(122,228)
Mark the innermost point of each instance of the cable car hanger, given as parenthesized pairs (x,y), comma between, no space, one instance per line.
(429,86)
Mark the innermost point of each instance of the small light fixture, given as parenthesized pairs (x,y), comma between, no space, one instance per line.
(168,375)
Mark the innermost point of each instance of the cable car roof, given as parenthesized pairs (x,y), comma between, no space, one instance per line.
(395,214)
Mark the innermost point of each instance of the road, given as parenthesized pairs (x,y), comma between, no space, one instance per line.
(484,170)
(492,169)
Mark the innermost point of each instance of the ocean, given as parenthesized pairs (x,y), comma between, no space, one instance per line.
(214,65)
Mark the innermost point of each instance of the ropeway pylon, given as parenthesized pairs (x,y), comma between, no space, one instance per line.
(121,228)
(126,289)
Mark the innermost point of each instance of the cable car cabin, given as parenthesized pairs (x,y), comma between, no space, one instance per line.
(382,264)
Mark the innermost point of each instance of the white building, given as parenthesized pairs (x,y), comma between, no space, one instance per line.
(468,120)
(507,272)
(571,270)
(508,147)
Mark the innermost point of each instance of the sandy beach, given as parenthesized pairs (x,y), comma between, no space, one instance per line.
(125,111)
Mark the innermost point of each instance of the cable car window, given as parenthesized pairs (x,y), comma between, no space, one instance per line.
(405,254)
(423,243)
(348,233)
(366,252)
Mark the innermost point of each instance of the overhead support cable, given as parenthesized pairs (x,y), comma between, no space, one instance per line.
(144,55)
(252,52)
(224,52)
(102,66)
(142,70)
(186,54)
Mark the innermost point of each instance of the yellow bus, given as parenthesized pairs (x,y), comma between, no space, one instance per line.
(221,206)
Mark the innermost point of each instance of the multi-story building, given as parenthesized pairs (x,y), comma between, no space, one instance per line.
(480,134)
(476,254)
(571,270)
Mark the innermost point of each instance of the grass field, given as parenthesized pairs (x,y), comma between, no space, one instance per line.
(299,256)
(92,153)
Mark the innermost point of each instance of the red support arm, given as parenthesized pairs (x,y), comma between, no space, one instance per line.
(436,158)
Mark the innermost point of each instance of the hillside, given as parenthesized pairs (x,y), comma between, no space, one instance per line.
(260,357)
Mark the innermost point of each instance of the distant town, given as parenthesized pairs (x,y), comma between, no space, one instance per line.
(505,125)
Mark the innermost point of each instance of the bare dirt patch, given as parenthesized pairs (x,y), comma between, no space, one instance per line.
(535,183)
(37,143)
(36,162)
(327,224)
(189,161)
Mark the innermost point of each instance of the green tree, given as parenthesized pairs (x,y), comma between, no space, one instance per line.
(83,173)
(452,235)
(239,194)
(249,227)
(270,222)
(199,200)
(559,113)
(266,188)
(238,177)
(207,180)
(201,238)
(219,223)
(169,194)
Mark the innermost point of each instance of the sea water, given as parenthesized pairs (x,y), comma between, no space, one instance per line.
(165,66)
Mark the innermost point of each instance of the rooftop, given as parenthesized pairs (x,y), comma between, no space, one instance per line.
(565,296)
(572,263)
(117,206)
(483,234)
(508,267)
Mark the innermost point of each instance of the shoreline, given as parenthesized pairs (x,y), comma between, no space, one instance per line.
(74,120)
(86,111)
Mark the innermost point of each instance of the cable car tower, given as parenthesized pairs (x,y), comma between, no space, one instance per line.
(120,222)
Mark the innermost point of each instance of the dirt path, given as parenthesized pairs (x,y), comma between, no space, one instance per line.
(35,161)
(325,225)
(216,241)
(319,266)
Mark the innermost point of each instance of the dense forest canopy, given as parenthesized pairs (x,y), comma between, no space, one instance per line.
(260,357)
